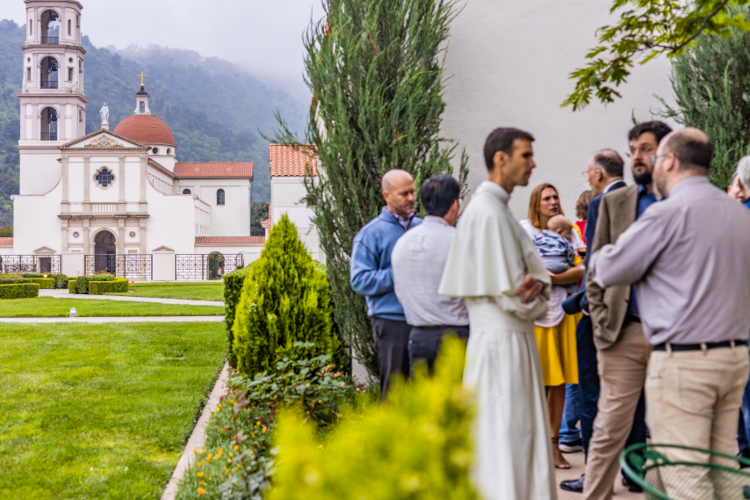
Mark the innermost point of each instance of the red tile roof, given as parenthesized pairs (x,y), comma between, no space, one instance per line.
(292,161)
(241,170)
(6,241)
(146,129)
(229,239)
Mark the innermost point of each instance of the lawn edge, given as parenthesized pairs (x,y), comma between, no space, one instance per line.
(197,438)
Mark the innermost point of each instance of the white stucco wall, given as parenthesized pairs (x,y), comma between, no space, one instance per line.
(508,64)
(286,193)
(35,222)
(230,219)
(40,171)
(171,222)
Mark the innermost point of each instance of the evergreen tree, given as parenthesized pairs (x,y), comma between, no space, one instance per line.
(710,83)
(375,70)
(258,213)
(285,300)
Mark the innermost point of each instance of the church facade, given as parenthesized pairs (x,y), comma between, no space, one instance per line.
(113,200)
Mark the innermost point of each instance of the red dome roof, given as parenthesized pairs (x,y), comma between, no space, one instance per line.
(147,129)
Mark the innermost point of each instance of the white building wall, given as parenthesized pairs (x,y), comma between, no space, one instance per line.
(508,64)
(171,222)
(97,193)
(35,222)
(39,171)
(230,219)
(286,193)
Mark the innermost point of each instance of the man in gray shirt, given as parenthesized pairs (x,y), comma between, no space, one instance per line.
(690,264)
(418,260)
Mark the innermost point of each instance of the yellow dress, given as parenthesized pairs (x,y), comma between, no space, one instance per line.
(557,351)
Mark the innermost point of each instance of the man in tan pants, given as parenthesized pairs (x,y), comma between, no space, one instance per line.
(690,264)
(622,349)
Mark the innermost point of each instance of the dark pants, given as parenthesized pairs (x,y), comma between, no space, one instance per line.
(588,387)
(392,340)
(425,342)
(743,430)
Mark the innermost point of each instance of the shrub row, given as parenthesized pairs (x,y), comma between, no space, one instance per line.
(19,291)
(81,284)
(119,285)
(61,280)
(44,283)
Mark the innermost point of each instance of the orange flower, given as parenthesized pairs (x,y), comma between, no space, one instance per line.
(201,490)
(201,473)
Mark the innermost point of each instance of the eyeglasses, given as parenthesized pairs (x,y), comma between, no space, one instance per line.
(585,174)
(643,151)
(653,158)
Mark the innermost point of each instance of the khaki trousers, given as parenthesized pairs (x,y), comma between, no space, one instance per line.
(622,373)
(693,399)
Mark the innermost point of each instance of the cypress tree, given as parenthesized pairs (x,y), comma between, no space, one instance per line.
(710,83)
(285,300)
(375,70)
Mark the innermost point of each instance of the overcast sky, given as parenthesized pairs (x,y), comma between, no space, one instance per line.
(263,36)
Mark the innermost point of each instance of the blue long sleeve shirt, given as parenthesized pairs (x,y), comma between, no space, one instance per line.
(370,272)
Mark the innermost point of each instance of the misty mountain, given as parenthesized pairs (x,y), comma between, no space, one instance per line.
(215,109)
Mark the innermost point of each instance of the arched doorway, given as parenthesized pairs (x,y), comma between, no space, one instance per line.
(215,266)
(105,249)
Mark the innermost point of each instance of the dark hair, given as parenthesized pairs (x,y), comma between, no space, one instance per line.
(659,129)
(611,161)
(502,139)
(690,150)
(582,204)
(438,194)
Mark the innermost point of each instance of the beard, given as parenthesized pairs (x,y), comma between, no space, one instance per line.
(643,179)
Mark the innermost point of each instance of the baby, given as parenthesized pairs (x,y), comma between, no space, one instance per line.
(555,246)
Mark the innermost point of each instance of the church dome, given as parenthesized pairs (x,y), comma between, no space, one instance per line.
(146,129)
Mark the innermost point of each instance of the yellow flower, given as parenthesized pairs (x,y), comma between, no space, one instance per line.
(257,423)
(229,460)
(202,483)
(201,473)
(231,454)
(195,450)
(339,415)
(201,491)
(264,430)
(210,456)
(236,447)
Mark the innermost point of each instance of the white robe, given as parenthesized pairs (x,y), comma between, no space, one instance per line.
(489,258)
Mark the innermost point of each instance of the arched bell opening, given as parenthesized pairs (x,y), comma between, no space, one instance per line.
(50,27)
(49,79)
(49,124)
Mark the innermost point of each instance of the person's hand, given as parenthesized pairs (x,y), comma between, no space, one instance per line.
(529,290)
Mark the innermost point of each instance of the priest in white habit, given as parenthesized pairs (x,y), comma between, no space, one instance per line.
(494,266)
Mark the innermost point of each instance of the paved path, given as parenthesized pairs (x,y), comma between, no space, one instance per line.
(119,319)
(65,294)
(576,461)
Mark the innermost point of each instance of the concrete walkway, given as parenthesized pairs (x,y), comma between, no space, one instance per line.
(65,294)
(119,319)
(577,468)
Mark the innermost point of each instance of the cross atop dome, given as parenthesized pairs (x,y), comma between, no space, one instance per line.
(141,99)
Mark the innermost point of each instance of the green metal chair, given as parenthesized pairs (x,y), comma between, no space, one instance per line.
(662,479)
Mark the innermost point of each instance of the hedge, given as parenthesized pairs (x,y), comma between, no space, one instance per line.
(72,286)
(13,280)
(119,285)
(82,282)
(19,291)
(44,283)
(61,280)
(232,291)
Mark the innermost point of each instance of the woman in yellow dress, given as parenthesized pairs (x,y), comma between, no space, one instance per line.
(556,331)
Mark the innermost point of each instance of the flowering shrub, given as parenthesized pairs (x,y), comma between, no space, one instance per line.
(416,446)
(238,460)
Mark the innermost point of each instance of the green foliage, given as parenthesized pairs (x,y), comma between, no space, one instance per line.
(285,300)
(61,280)
(44,283)
(73,286)
(646,29)
(238,459)
(710,82)
(375,69)
(51,307)
(416,446)
(233,283)
(19,291)
(82,282)
(119,285)
(258,213)
(8,279)
(6,231)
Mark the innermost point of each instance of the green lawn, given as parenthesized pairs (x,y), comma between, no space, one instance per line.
(192,291)
(100,411)
(51,307)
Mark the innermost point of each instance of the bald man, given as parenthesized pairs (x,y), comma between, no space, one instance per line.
(371,274)
(689,263)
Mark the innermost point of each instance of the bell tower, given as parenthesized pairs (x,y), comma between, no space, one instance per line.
(53,104)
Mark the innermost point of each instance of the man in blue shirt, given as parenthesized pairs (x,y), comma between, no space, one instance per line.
(371,274)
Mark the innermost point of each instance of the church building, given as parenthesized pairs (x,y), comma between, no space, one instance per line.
(113,200)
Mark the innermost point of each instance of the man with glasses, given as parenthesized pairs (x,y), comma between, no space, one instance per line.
(622,349)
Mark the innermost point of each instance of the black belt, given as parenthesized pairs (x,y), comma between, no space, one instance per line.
(698,347)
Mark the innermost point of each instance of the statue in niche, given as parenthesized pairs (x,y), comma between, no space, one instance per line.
(105,114)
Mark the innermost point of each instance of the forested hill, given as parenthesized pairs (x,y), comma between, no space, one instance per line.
(214,108)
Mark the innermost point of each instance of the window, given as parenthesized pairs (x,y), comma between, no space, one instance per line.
(70,74)
(70,27)
(220,197)
(80,116)
(186,191)
(155,151)
(105,177)
(28,74)
(169,151)
(78,22)
(31,26)
(143,107)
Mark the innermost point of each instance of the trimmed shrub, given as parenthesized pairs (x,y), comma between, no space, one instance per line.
(419,442)
(44,283)
(232,292)
(61,280)
(82,282)
(9,280)
(19,291)
(119,285)
(72,286)
(285,299)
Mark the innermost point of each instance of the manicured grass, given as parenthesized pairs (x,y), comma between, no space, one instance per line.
(100,411)
(191,291)
(46,307)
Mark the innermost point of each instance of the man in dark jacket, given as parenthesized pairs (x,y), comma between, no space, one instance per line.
(371,274)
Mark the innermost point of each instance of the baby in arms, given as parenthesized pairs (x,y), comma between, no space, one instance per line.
(555,246)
